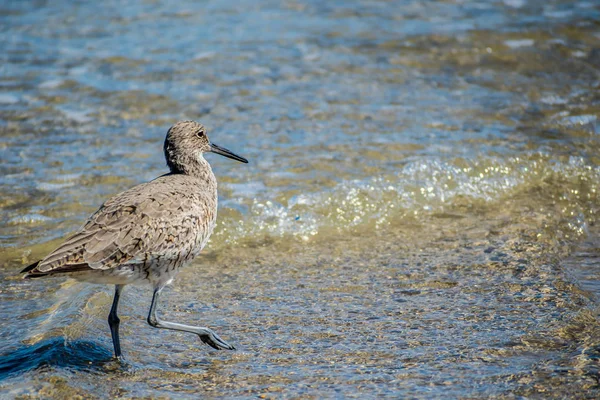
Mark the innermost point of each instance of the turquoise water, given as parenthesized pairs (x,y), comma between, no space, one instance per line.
(418,218)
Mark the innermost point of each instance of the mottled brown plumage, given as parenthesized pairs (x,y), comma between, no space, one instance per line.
(147,233)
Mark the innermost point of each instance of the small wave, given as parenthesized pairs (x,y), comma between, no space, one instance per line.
(420,187)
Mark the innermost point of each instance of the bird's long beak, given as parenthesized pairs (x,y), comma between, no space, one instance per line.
(224,152)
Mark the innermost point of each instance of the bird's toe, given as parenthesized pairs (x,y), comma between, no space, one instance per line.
(214,341)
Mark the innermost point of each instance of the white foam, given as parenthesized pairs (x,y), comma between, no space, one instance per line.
(515,44)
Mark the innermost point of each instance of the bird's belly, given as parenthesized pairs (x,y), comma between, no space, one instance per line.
(155,272)
(121,275)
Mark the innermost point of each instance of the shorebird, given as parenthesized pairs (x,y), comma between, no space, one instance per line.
(147,233)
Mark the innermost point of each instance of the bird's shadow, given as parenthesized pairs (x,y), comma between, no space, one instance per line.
(55,352)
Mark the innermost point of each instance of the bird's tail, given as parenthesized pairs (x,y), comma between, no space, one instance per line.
(30,271)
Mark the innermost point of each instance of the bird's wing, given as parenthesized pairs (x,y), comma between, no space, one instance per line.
(126,229)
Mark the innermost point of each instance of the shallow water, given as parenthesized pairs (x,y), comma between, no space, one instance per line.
(419,217)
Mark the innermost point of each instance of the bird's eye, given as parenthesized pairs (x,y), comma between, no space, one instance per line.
(200,134)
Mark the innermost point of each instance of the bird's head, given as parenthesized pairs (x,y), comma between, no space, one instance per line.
(185,143)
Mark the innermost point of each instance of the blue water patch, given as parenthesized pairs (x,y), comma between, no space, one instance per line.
(54,352)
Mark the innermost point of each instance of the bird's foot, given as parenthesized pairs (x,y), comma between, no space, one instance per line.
(213,340)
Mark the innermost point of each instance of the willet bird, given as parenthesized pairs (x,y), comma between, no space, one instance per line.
(147,233)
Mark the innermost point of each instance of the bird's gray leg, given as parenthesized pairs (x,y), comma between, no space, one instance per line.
(206,335)
(113,321)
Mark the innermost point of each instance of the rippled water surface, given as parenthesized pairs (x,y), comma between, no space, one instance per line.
(418,218)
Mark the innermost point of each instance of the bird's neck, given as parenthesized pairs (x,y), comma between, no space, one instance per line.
(198,168)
